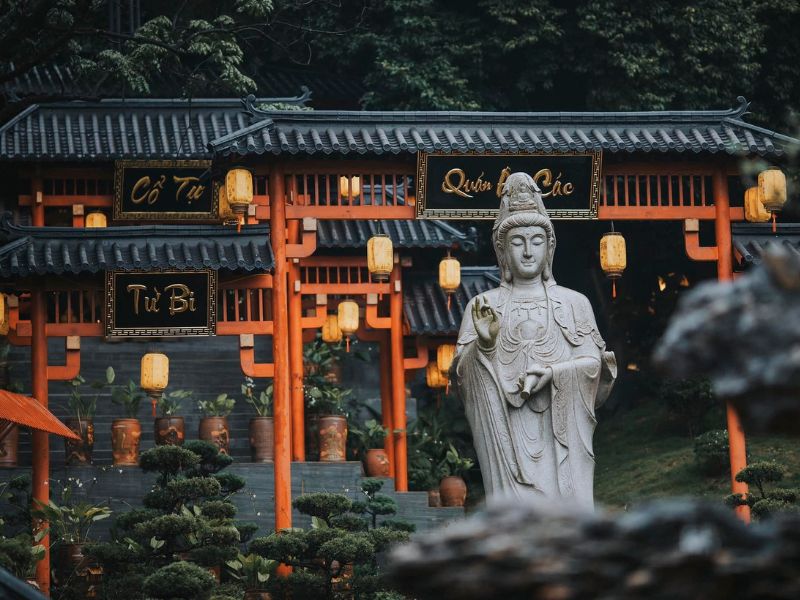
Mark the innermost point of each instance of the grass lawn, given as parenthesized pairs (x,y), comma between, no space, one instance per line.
(641,455)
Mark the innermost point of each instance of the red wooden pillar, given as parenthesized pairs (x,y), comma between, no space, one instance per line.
(722,225)
(386,398)
(296,352)
(40,441)
(282,412)
(398,381)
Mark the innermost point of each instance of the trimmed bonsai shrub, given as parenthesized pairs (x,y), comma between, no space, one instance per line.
(339,553)
(188,517)
(763,499)
(711,454)
(179,580)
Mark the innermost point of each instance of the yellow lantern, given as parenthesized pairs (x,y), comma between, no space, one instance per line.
(239,189)
(434,377)
(380,257)
(449,276)
(96,219)
(613,257)
(754,210)
(349,187)
(348,319)
(330,330)
(444,357)
(772,186)
(154,376)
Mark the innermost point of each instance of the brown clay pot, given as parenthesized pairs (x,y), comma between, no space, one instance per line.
(434,498)
(332,438)
(261,439)
(74,559)
(376,463)
(215,430)
(8,448)
(125,435)
(453,491)
(169,431)
(79,452)
(312,437)
(334,374)
(257,595)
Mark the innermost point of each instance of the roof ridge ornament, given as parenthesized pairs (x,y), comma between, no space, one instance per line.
(740,110)
(250,108)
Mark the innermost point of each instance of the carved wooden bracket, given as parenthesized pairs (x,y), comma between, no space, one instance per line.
(691,236)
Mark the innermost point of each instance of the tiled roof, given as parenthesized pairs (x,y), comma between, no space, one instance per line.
(751,240)
(59,250)
(365,132)
(404,233)
(425,304)
(118,129)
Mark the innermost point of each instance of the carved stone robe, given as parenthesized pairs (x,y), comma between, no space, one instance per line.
(542,446)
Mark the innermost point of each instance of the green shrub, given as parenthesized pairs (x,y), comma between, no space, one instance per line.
(322,505)
(711,453)
(764,500)
(230,483)
(125,522)
(193,488)
(218,509)
(246,530)
(179,580)
(166,526)
(19,555)
(168,460)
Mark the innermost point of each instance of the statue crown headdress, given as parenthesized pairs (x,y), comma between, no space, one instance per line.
(520,194)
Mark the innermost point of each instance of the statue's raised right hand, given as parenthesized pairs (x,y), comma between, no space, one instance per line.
(487,323)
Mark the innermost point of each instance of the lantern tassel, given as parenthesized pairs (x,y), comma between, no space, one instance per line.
(774,223)
(347,343)
(154,401)
(613,288)
(449,298)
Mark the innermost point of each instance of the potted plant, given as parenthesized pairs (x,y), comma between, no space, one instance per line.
(328,402)
(126,432)
(69,523)
(214,424)
(261,426)
(82,407)
(452,487)
(371,437)
(169,428)
(253,571)
(318,363)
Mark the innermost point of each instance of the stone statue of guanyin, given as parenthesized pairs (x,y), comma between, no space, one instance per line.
(531,366)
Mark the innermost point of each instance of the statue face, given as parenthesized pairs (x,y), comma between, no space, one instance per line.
(526,251)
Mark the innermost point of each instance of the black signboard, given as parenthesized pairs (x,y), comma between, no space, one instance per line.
(165,190)
(465,186)
(161,303)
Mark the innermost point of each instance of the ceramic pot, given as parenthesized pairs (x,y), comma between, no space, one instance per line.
(376,463)
(332,438)
(261,439)
(434,498)
(312,437)
(453,491)
(257,595)
(79,452)
(125,436)
(169,431)
(74,560)
(334,374)
(8,448)
(215,430)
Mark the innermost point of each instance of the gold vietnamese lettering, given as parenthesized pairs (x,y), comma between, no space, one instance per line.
(187,185)
(502,181)
(463,185)
(142,190)
(181,299)
(150,303)
(544,179)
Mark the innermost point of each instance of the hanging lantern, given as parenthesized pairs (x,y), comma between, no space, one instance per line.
(613,258)
(348,319)
(349,187)
(154,376)
(772,186)
(239,189)
(434,377)
(754,210)
(96,219)
(444,357)
(380,257)
(331,333)
(449,276)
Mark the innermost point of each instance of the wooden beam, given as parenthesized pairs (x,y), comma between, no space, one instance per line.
(398,381)
(40,440)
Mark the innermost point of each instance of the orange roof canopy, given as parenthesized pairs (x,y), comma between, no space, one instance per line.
(27,411)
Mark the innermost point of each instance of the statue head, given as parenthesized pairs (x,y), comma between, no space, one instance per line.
(522,210)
